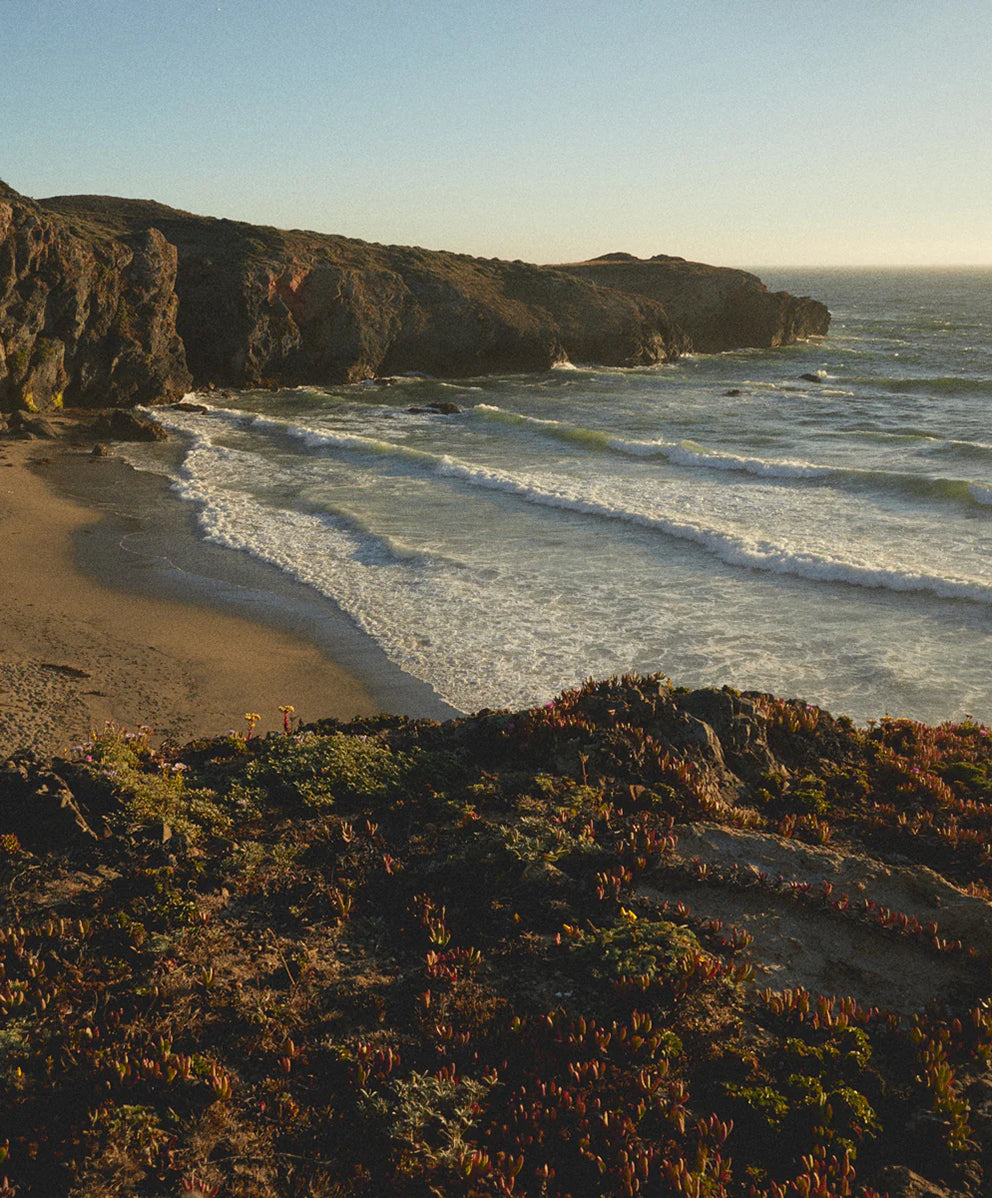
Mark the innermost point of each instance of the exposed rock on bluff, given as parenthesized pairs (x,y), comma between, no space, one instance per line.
(85,318)
(106,300)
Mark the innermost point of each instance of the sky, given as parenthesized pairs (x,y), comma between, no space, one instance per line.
(737,132)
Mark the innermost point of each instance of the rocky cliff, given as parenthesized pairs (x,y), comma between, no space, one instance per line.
(106,300)
(716,308)
(261,304)
(85,317)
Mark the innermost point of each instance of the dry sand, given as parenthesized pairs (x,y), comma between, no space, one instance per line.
(74,653)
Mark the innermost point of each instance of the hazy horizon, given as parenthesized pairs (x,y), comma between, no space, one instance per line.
(776,131)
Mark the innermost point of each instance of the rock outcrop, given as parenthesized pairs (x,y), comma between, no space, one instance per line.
(85,318)
(113,301)
(716,308)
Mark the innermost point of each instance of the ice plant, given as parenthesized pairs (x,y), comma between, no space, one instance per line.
(193,1187)
(252,718)
(287,710)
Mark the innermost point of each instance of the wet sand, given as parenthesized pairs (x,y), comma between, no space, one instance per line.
(111,609)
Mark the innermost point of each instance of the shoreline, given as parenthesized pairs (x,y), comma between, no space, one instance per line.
(112,609)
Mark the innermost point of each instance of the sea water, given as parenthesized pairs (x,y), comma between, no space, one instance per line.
(720,519)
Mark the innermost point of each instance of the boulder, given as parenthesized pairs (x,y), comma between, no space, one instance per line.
(121,425)
(37,426)
(38,807)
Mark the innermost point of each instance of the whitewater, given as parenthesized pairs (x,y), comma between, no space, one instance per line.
(812,520)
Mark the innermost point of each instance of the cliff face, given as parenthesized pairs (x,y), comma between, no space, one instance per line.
(113,301)
(84,317)
(715,307)
(261,304)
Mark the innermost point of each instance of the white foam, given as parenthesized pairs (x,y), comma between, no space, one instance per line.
(689,453)
(729,545)
(733,549)
(468,639)
(683,453)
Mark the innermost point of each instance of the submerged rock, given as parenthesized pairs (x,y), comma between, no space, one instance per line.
(440,409)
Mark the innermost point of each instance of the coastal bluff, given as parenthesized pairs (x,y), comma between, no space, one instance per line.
(115,301)
(716,308)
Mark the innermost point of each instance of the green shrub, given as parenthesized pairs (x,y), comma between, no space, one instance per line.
(317,771)
(634,948)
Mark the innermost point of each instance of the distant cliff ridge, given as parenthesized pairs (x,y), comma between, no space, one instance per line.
(716,307)
(113,301)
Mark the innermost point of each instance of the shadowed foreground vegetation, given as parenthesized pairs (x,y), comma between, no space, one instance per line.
(394,957)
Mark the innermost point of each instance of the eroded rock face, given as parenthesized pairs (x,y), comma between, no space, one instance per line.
(716,308)
(85,318)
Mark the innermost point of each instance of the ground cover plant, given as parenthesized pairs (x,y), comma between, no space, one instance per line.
(641,940)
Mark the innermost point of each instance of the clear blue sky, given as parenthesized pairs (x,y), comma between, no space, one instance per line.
(740,132)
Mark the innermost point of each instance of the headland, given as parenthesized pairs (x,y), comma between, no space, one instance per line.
(114,301)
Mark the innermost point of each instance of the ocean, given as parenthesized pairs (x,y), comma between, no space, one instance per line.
(723,519)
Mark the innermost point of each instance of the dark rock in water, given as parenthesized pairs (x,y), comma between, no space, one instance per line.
(186,406)
(122,425)
(443,409)
(733,391)
(100,450)
(811,378)
(37,805)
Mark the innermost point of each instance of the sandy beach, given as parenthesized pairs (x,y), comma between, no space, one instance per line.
(75,653)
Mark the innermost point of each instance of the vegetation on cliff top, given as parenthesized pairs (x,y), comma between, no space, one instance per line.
(477,958)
